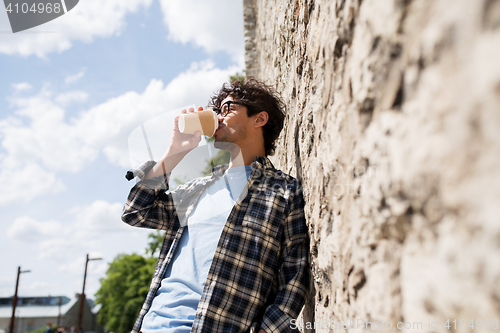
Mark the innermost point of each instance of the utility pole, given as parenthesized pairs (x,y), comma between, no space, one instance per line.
(59,315)
(82,296)
(14,301)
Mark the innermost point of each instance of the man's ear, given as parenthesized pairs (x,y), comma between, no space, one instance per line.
(261,119)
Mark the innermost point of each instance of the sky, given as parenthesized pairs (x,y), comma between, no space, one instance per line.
(73,93)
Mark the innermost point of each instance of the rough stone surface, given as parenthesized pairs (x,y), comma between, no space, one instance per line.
(393,126)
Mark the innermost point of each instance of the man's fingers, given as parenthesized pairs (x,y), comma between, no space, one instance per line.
(184,111)
(200,108)
(191,110)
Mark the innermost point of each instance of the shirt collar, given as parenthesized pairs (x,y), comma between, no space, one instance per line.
(259,162)
(262,162)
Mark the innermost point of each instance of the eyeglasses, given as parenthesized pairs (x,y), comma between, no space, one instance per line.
(227,107)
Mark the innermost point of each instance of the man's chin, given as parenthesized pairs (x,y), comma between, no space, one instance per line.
(225,145)
(222,145)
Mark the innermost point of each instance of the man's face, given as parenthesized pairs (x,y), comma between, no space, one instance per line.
(233,127)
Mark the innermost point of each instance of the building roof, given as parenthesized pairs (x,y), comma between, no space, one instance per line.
(35,309)
(36,300)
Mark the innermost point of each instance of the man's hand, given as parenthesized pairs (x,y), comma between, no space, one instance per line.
(180,145)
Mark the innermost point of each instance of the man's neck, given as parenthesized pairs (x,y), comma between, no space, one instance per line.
(241,157)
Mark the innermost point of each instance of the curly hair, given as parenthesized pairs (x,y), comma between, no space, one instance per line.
(257,97)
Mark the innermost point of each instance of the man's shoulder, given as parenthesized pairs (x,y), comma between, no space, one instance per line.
(279,175)
(271,171)
(275,180)
(194,184)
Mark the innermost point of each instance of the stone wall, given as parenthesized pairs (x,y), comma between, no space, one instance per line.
(393,126)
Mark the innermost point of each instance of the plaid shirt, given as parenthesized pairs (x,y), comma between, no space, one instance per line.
(260,270)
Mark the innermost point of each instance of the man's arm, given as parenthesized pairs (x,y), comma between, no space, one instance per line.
(148,206)
(180,145)
(293,276)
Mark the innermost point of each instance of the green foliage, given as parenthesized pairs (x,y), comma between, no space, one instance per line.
(178,181)
(123,291)
(53,328)
(222,157)
(237,77)
(40,330)
(155,242)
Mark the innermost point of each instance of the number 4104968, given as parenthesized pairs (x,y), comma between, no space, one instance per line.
(478,324)
(35,8)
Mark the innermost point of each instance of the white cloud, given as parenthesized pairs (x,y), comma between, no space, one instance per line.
(37,286)
(39,142)
(29,230)
(88,20)
(97,218)
(213,25)
(90,227)
(23,86)
(110,123)
(24,183)
(71,97)
(55,251)
(75,77)
(43,136)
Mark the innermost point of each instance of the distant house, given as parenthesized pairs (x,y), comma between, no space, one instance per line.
(33,313)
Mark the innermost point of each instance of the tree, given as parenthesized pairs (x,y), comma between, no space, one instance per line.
(237,77)
(222,157)
(123,291)
(155,242)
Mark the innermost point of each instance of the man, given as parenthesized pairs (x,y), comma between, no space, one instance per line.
(48,329)
(235,254)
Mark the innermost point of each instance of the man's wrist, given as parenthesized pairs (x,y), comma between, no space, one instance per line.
(165,165)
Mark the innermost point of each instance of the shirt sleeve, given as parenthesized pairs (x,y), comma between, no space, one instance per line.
(294,272)
(149,205)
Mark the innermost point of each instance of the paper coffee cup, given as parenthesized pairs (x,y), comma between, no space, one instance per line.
(205,121)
